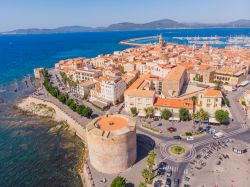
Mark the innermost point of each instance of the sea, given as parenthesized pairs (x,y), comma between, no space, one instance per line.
(30,155)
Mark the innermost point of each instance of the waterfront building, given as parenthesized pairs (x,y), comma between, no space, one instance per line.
(86,73)
(70,64)
(38,73)
(112,143)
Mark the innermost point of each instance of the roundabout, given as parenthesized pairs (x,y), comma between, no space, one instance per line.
(177,151)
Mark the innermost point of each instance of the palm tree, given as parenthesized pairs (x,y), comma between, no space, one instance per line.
(195,100)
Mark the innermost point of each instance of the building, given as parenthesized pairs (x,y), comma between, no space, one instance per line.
(85,87)
(140,94)
(86,73)
(210,100)
(112,89)
(112,143)
(173,105)
(70,64)
(175,80)
(230,76)
(38,73)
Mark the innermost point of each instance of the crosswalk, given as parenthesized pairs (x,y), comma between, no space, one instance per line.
(175,169)
(244,127)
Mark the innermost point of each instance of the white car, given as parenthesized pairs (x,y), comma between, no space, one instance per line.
(190,138)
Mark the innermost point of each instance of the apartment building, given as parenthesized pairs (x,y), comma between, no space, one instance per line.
(140,94)
(230,75)
(210,100)
(86,73)
(112,89)
(70,64)
(173,105)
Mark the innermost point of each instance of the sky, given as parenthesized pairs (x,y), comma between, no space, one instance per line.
(16,14)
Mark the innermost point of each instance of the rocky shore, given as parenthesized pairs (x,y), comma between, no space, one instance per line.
(42,108)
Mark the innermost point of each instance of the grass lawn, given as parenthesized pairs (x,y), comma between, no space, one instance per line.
(177,149)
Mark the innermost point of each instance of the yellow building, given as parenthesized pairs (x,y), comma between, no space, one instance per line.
(230,76)
(210,100)
(140,94)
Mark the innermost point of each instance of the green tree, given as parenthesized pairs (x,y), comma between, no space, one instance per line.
(142,184)
(243,103)
(166,114)
(184,114)
(222,116)
(226,101)
(61,97)
(149,112)
(134,111)
(201,115)
(118,182)
(151,159)
(69,101)
(146,175)
(79,109)
(87,112)
(73,106)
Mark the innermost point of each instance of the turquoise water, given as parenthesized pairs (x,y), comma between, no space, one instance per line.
(30,155)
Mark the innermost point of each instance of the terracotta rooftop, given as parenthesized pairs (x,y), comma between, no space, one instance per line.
(140,93)
(173,103)
(111,123)
(212,93)
(176,73)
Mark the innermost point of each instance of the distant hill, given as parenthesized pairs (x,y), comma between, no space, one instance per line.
(66,29)
(160,24)
(154,25)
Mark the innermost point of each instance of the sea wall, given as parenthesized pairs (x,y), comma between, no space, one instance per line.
(30,104)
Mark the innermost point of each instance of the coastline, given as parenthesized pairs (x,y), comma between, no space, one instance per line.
(41,108)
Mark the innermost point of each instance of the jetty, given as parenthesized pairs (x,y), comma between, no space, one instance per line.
(132,41)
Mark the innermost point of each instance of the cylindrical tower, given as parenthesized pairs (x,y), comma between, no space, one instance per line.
(112,143)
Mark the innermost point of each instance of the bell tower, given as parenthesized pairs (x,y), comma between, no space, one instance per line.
(161,40)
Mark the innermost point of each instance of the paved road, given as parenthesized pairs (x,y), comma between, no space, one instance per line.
(238,129)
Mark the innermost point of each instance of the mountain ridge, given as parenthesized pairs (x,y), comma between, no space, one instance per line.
(127,26)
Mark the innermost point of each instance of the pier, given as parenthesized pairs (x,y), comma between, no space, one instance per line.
(130,42)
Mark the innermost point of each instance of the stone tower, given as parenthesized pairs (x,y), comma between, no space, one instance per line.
(161,40)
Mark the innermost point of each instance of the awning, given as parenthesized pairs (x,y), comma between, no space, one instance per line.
(213,120)
(142,113)
(174,119)
(157,113)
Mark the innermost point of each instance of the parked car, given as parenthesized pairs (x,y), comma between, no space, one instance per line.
(176,182)
(168,182)
(162,165)
(190,138)
(177,137)
(161,171)
(169,173)
(234,89)
(157,183)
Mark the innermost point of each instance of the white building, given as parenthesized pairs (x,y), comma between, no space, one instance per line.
(87,73)
(112,89)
